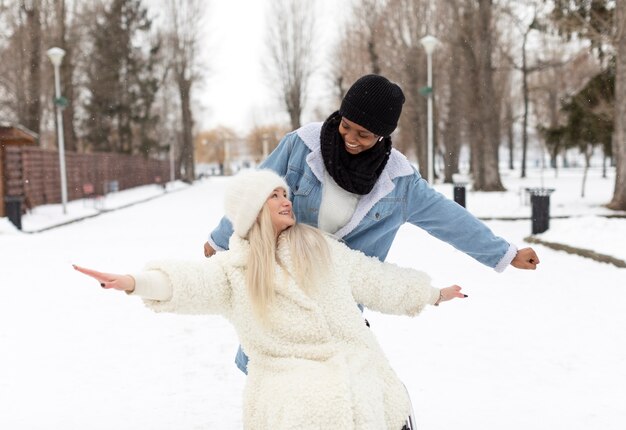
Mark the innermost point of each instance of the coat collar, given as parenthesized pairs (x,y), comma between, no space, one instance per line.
(397,166)
(240,248)
(285,285)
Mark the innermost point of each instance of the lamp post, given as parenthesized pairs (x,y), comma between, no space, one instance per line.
(429,43)
(56,57)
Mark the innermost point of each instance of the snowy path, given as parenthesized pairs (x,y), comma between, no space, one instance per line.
(526,350)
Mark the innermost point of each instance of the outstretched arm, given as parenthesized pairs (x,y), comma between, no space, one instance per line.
(388,288)
(453,224)
(152,285)
(174,286)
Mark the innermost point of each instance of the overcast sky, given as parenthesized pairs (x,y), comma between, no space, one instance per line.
(236,91)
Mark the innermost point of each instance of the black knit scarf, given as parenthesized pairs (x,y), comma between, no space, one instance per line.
(354,173)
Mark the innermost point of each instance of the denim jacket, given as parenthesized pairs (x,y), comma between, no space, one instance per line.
(399,196)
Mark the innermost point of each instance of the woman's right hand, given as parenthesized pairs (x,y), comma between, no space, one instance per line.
(208,250)
(109,280)
(450,293)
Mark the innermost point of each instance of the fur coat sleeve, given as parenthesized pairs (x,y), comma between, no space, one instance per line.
(385,287)
(196,287)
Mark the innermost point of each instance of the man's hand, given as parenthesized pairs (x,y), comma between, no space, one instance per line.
(525,259)
(208,250)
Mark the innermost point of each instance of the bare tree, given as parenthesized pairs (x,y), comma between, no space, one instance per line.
(357,52)
(529,66)
(11,76)
(349,63)
(550,86)
(184,25)
(484,119)
(32,115)
(291,60)
(369,20)
(362,47)
(20,74)
(453,101)
(618,201)
(405,23)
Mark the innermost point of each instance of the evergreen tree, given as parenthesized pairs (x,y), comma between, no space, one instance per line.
(590,117)
(603,23)
(121,79)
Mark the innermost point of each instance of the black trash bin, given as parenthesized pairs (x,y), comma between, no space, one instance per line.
(13,209)
(540,208)
(459,194)
(459,181)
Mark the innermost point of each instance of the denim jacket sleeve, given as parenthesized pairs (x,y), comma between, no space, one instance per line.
(452,223)
(278,161)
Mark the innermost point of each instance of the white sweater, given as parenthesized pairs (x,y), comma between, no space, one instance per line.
(314,364)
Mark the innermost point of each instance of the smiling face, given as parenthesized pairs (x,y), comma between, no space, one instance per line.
(281,214)
(356,138)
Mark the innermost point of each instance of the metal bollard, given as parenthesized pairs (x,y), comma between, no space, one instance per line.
(540,208)
(13,206)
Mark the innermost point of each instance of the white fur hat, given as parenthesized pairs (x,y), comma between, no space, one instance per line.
(246,194)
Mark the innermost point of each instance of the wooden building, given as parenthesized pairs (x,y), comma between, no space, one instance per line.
(11,135)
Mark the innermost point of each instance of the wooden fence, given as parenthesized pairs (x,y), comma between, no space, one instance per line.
(33,174)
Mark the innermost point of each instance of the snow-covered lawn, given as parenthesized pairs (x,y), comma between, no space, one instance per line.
(526,350)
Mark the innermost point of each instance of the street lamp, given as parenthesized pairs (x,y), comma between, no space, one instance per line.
(430,43)
(56,57)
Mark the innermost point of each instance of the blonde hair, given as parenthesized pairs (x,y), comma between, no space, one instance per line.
(309,253)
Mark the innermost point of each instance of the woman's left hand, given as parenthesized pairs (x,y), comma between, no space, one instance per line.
(450,293)
(109,280)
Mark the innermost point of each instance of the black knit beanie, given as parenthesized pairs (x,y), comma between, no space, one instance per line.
(375,103)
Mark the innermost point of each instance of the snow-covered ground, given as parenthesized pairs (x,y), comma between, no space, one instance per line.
(526,350)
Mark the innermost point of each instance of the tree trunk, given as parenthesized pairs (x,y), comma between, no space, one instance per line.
(525,115)
(474,130)
(619,135)
(587,152)
(291,54)
(487,105)
(553,160)
(452,131)
(510,122)
(186,153)
(33,101)
(294,108)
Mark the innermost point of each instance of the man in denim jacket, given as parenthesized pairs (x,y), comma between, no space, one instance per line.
(346,179)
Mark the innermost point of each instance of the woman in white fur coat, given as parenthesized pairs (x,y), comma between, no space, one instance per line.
(291,293)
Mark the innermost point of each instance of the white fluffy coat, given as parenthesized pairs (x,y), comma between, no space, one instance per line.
(313,364)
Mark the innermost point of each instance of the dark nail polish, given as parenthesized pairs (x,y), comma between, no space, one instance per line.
(102,285)
(464,295)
